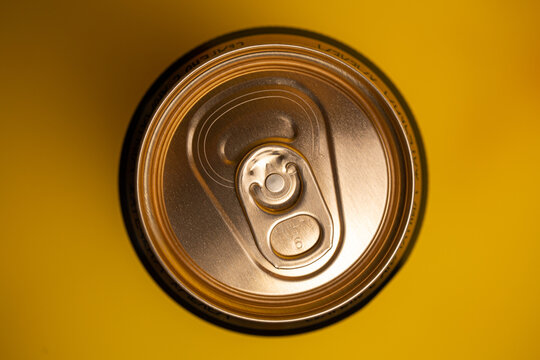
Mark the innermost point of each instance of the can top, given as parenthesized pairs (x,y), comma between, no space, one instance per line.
(277,179)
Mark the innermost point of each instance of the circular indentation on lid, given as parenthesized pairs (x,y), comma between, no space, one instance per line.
(274,182)
(295,236)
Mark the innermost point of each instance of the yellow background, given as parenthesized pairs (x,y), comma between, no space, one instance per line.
(71,75)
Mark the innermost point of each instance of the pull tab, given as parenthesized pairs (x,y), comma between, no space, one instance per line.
(287,214)
(281,187)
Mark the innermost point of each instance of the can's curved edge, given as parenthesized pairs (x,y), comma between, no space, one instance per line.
(127,188)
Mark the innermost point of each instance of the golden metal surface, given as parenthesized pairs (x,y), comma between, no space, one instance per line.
(295,236)
(349,179)
(300,199)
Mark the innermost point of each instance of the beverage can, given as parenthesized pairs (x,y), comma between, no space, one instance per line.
(273,180)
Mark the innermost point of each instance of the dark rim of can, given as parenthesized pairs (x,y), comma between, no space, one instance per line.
(143,246)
